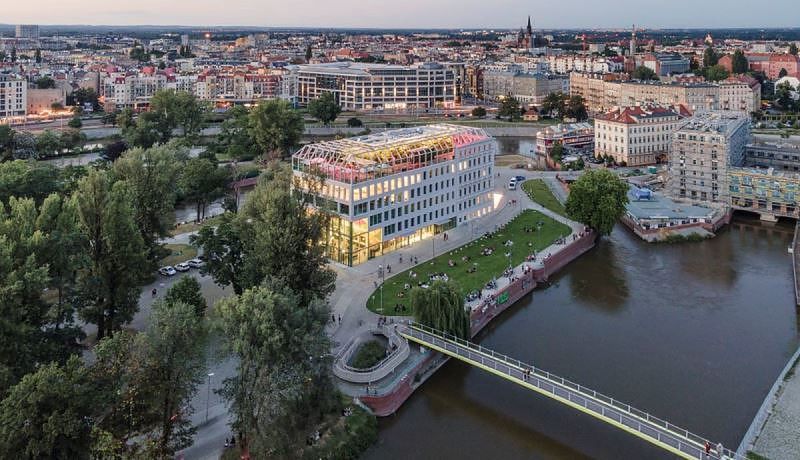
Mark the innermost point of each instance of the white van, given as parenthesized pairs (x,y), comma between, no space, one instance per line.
(512,184)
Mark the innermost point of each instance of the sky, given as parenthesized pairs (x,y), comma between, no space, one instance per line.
(500,14)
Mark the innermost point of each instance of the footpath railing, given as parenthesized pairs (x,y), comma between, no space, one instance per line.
(400,353)
(639,423)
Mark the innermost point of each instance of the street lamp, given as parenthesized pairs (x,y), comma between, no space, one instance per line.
(208,393)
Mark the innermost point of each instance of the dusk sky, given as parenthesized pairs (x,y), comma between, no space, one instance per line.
(408,13)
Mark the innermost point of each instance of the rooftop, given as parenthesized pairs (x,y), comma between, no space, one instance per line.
(363,158)
(721,122)
(633,115)
(661,207)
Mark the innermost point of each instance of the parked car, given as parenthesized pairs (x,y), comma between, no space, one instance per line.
(196,263)
(182,267)
(169,270)
(520,178)
(512,184)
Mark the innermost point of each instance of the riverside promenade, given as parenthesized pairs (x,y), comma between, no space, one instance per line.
(356,284)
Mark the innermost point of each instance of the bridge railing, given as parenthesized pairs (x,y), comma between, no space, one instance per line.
(697,440)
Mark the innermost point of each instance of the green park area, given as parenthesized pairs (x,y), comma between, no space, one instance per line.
(472,268)
(539,192)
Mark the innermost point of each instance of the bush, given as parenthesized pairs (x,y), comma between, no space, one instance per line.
(354,123)
(479,112)
(368,355)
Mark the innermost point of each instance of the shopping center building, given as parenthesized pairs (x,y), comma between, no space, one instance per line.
(389,190)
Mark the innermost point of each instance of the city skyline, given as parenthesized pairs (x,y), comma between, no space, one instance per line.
(441,14)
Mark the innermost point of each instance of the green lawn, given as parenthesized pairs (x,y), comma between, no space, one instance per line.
(488,267)
(178,253)
(539,192)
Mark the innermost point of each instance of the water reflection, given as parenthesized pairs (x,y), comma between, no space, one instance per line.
(604,288)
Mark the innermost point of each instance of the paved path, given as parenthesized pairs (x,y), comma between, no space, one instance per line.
(659,432)
(779,438)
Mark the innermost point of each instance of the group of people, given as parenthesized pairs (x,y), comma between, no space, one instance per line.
(474,295)
(333,319)
(487,251)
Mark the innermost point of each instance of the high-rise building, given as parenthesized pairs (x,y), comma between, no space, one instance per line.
(13,96)
(703,150)
(389,190)
(27,31)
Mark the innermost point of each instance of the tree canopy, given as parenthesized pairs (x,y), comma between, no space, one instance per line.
(324,108)
(275,127)
(441,307)
(598,199)
(739,63)
(509,107)
(644,73)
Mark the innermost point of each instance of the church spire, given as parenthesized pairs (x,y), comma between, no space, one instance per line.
(530,28)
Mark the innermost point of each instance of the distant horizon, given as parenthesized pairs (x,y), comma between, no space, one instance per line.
(411,14)
(441,29)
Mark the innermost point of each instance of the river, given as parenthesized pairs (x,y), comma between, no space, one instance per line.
(693,333)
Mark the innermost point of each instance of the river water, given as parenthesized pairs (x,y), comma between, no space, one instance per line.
(694,333)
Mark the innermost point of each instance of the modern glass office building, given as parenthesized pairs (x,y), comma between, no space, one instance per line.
(392,189)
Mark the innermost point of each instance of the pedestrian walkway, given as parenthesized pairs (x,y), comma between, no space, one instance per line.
(659,432)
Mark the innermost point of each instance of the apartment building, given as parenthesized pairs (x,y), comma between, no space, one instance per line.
(584,63)
(358,86)
(603,92)
(131,90)
(703,150)
(664,64)
(389,190)
(238,86)
(780,156)
(637,136)
(27,31)
(528,88)
(13,96)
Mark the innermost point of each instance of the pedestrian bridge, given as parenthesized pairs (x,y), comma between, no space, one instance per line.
(654,430)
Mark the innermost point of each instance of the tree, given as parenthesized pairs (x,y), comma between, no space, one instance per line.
(234,138)
(286,242)
(125,119)
(37,56)
(24,146)
(308,53)
(598,199)
(13,55)
(139,54)
(75,122)
(324,108)
(202,182)
(6,142)
(716,73)
(275,127)
(793,49)
(178,109)
(710,57)
(116,262)
(151,175)
(175,366)
(47,414)
(739,63)
(225,252)
(83,96)
(45,83)
(273,236)
(354,123)
(48,143)
(441,307)
(187,290)
(555,103)
(576,108)
(23,179)
(783,95)
(72,138)
(509,107)
(557,152)
(478,112)
(283,386)
(782,73)
(644,73)
(148,130)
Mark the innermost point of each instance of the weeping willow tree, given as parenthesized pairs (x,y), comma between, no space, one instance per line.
(441,307)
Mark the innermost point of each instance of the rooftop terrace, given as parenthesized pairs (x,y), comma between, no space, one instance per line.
(368,157)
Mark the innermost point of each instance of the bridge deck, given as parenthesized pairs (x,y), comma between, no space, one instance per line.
(656,431)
